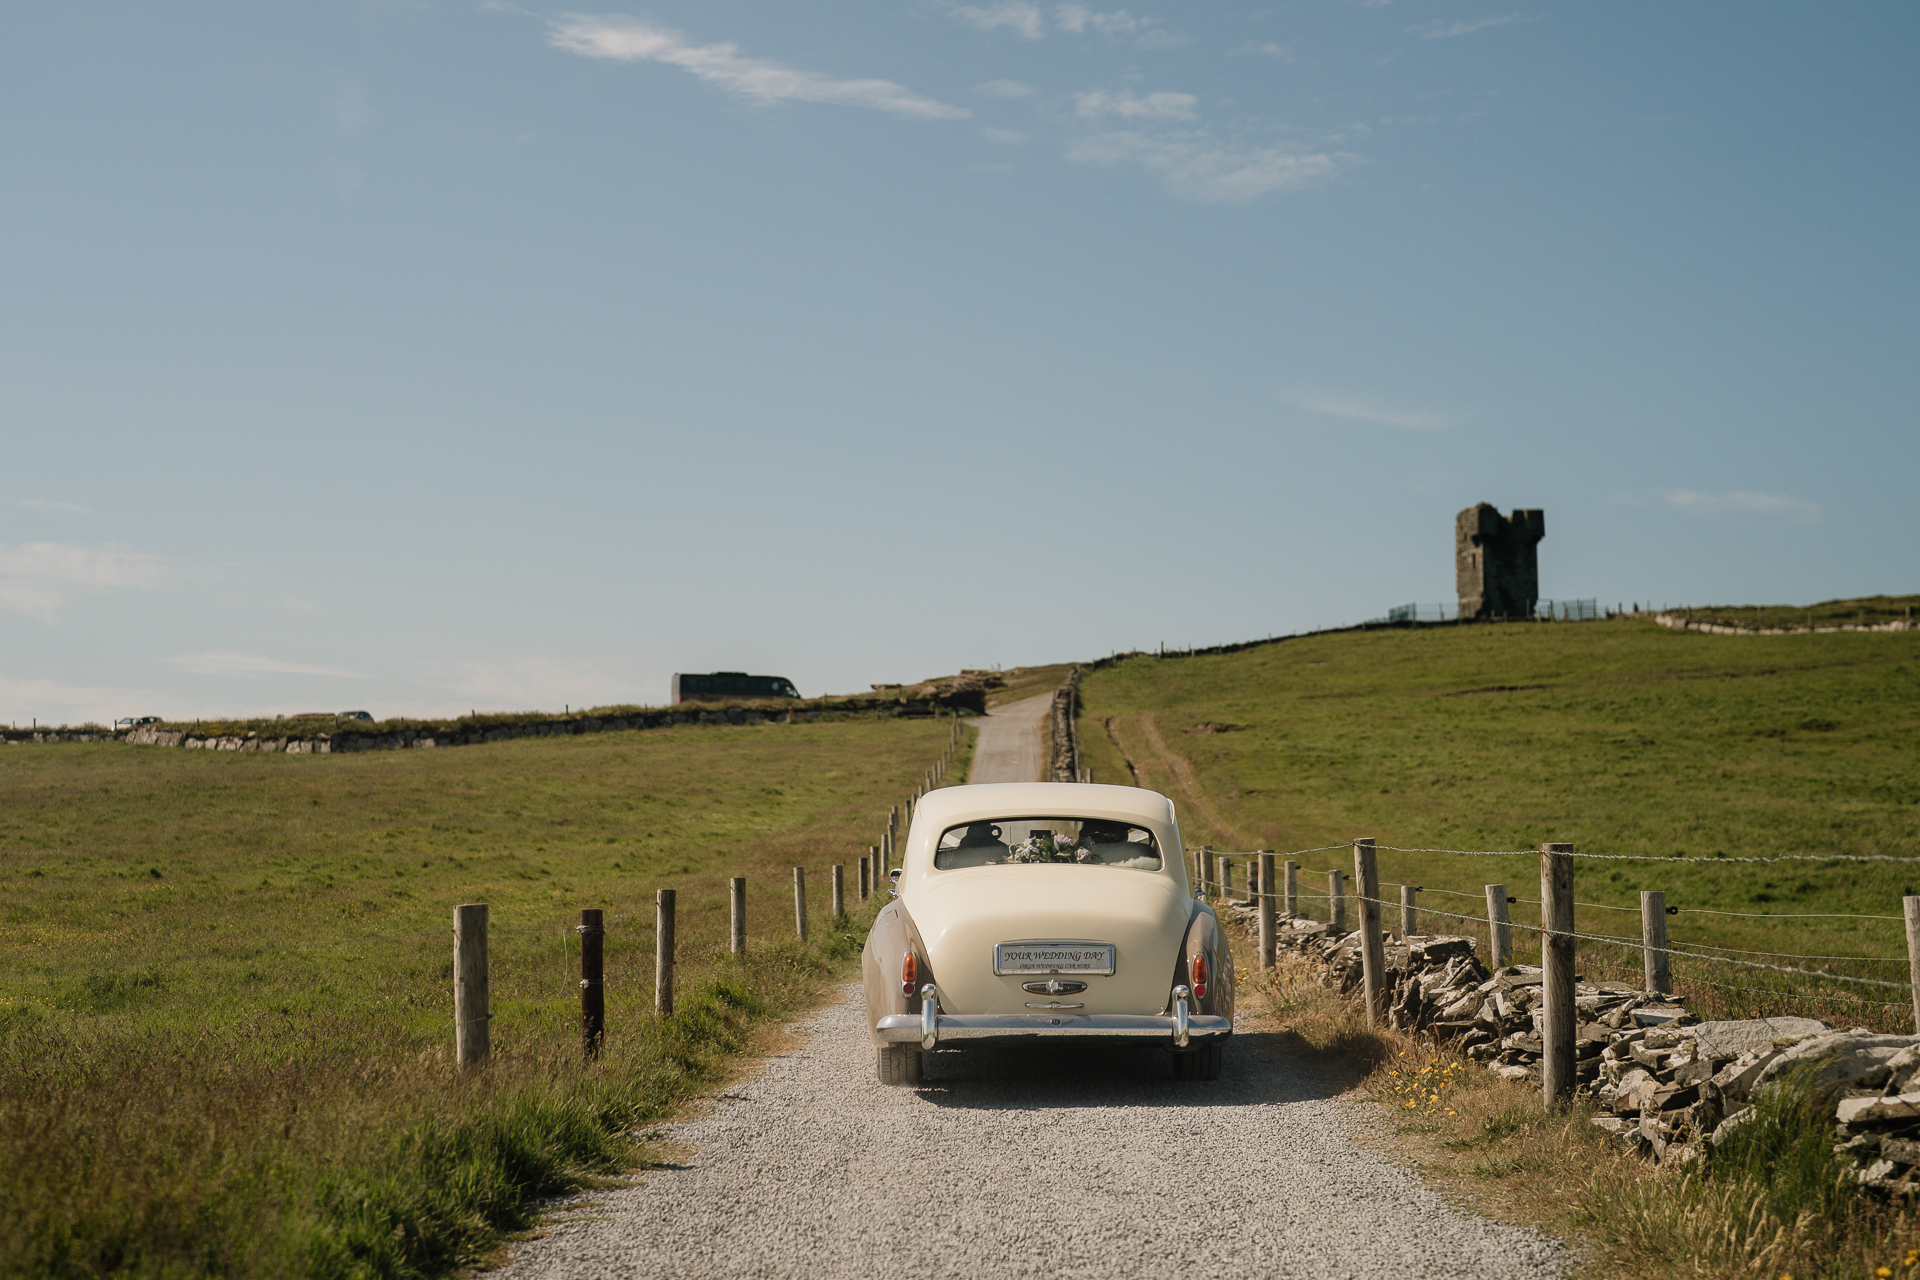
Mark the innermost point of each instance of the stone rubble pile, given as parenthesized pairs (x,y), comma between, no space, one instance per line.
(1666,1084)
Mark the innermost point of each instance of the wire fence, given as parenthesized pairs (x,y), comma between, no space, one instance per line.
(1710,976)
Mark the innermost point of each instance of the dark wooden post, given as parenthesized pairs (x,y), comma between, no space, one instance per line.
(800,902)
(737,895)
(1409,910)
(1373,953)
(593,990)
(1337,900)
(1556,962)
(839,891)
(663,953)
(1653,936)
(472,1027)
(1293,888)
(866,874)
(1267,904)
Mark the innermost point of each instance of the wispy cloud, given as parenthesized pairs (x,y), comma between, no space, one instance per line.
(627,40)
(1007,89)
(1012,137)
(1028,21)
(1155,106)
(1740,502)
(1360,409)
(37,578)
(1080,20)
(228,662)
(1022,19)
(1441,29)
(52,504)
(1194,165)
(1266,48)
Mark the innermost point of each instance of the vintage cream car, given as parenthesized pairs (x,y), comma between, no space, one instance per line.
(1037,911)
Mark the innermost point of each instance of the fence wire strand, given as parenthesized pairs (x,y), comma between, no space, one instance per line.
(1637,945)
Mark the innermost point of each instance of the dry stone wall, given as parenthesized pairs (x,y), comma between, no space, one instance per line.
(911,703)
(1664,1083)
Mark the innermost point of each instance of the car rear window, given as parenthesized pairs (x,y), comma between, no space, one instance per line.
(1082,842)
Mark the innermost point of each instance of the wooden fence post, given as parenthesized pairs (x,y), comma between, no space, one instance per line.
(839,891)
(472,1029)
(593,978)
(1912,905)
(1556,962)
(1499,928)
(1653,936)
(866,873)
(1337,901)
(1226,878)
(663,953)
(1373,954)
(737,896)
(1409,911)
(1293,888)
(1267,904)
(800,902)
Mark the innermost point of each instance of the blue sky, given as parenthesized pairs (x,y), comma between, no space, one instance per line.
(433,356)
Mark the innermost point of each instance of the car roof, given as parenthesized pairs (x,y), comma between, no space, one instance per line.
(948,806)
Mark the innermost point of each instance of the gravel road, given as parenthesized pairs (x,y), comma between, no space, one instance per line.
(1009,746)
(1043,1163)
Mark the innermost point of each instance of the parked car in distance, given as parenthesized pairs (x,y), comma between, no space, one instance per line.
(1040,911)
(134,722)
(717,685)
(355,715)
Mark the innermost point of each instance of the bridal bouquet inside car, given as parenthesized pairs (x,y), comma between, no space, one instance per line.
(1044,846)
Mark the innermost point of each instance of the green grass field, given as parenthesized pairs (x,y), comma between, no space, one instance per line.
(1620,737)
(225,979)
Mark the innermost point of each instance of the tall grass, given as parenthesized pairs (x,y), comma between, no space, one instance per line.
(156,1157)
(1774,1200)
(225,1011)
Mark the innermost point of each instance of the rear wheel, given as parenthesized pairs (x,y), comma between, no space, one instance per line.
(1198,1064)
(902,1065)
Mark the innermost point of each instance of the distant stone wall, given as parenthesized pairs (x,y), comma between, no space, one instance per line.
(1685,622)
(467,733)
(1063,764)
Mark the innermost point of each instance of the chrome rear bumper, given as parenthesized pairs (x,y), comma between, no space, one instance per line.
(901,1027)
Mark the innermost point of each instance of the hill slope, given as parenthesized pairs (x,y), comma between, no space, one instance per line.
(1621,737)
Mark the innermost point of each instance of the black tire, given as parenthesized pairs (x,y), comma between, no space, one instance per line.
(1198,1064)
(902,1065)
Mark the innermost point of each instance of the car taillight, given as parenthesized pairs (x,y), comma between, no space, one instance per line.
(1197,968)
(909,974)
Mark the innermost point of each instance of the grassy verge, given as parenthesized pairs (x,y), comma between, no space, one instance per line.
(225,980)
(1772,1205)
(1621,737)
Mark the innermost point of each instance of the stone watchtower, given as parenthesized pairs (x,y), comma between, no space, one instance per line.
(1495,566)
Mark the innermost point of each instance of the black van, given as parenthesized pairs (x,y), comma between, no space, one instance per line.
(718,685)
